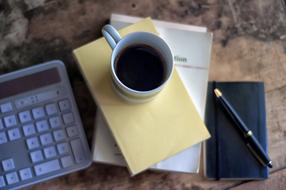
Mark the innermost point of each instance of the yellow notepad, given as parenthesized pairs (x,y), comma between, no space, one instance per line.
(145,133)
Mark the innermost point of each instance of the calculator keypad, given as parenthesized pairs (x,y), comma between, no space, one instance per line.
(51,138)
(40,128)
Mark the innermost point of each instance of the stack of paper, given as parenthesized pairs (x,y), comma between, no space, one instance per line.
(145,133)
(192,65)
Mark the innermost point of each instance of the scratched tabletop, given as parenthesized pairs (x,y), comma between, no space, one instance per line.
(249,44)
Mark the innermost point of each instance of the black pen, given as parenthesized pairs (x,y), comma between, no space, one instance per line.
(249,139)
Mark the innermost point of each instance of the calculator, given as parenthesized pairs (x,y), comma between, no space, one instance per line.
(41,134)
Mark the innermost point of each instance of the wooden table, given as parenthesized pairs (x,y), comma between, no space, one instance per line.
(249,44)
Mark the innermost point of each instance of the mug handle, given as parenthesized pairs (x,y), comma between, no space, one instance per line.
(111,35)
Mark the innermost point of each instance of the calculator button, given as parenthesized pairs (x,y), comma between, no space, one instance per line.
(36,156)
(50,152)
(64,105)
(49,95)
(51,109)
(55,122)
(12,178)
(68,118)
(2,182)
(3,138)
(63,148)
(8,164)
(7,107)
(14,134)
(10,121)
(47,167)
(1,124)
(21,103)
(38,113)
(26,174)
(77,150)
(67,161)
(46,139)
(24,102)
(32,143)
(25,116)
(59,135)
(42,126)
(29,129)
(72,131)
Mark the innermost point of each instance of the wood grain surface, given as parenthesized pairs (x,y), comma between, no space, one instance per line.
(249,44)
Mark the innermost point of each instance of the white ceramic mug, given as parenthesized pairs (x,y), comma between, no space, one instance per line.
(119,44)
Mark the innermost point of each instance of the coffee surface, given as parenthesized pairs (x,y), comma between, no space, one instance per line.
(140,67)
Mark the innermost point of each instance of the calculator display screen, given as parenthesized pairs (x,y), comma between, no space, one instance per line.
(29,82)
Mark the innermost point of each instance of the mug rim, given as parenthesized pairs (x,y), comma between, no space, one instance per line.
(147,92)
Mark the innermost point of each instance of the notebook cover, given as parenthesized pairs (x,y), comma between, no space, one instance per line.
(227,157)
(145,133)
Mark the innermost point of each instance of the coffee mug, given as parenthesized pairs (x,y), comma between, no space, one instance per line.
(141,64)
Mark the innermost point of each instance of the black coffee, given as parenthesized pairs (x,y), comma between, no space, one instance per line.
(140,67)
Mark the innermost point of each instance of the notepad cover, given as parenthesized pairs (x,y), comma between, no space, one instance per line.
(226,155)
(145,133)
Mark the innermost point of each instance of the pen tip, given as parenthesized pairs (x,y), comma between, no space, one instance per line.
(217,92)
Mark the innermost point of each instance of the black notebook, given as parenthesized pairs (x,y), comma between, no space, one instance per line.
(227,157)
